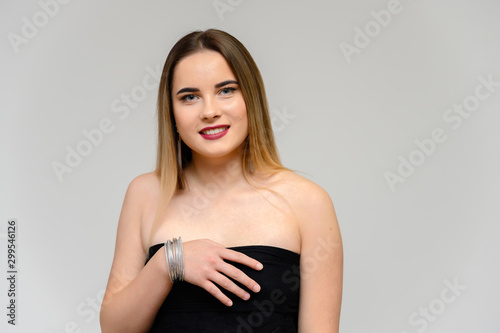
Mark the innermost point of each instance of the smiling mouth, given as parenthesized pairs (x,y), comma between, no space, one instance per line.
(214,130)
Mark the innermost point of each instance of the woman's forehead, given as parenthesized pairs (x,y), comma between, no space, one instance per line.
(204,67)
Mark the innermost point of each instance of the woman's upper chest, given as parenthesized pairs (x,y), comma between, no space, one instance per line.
(230,218)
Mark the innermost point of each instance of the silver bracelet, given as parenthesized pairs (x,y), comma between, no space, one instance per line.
(174,254)
(179,255)
(182,259)
(170,260)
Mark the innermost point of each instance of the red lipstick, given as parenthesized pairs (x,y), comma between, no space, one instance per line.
(214,132)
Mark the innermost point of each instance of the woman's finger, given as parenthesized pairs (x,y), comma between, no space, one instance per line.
(241,258)
(214,291)
(229,285)
(236,274)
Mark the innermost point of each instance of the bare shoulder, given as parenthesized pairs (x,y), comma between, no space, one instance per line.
(311,204)
(302,193)
(129,244)
(140,194)
(146,184)
(145,188)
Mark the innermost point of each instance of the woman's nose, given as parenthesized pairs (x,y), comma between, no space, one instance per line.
(210,109)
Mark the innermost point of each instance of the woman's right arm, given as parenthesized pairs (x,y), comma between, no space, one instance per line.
(135,291)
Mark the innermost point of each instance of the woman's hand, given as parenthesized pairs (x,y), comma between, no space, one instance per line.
(204,264)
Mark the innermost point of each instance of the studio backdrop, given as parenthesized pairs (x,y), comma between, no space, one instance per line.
(392,106)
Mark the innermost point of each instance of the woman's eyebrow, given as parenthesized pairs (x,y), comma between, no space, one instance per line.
(188,90)
(223,83)
(218,85)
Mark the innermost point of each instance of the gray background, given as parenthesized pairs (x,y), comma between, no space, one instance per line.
(348,124)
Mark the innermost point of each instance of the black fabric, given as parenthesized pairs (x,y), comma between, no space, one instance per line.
(274,309)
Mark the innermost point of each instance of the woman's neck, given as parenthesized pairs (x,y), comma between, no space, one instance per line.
(205,173)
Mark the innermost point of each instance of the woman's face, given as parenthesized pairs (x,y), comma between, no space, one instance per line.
(208,105)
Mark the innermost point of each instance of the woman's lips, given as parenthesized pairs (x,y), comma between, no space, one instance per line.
(214,133)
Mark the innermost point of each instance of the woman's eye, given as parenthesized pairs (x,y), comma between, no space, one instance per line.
(227,90)
(188,98)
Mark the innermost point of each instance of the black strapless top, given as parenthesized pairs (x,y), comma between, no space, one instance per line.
(274,309)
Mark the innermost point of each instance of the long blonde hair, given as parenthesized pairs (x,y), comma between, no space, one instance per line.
(259,149)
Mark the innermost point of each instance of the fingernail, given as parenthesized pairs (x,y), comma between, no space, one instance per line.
(256,288)
(229,303)
(246,296)
(259,266)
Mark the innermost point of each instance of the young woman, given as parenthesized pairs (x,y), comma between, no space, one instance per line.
(260,247)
